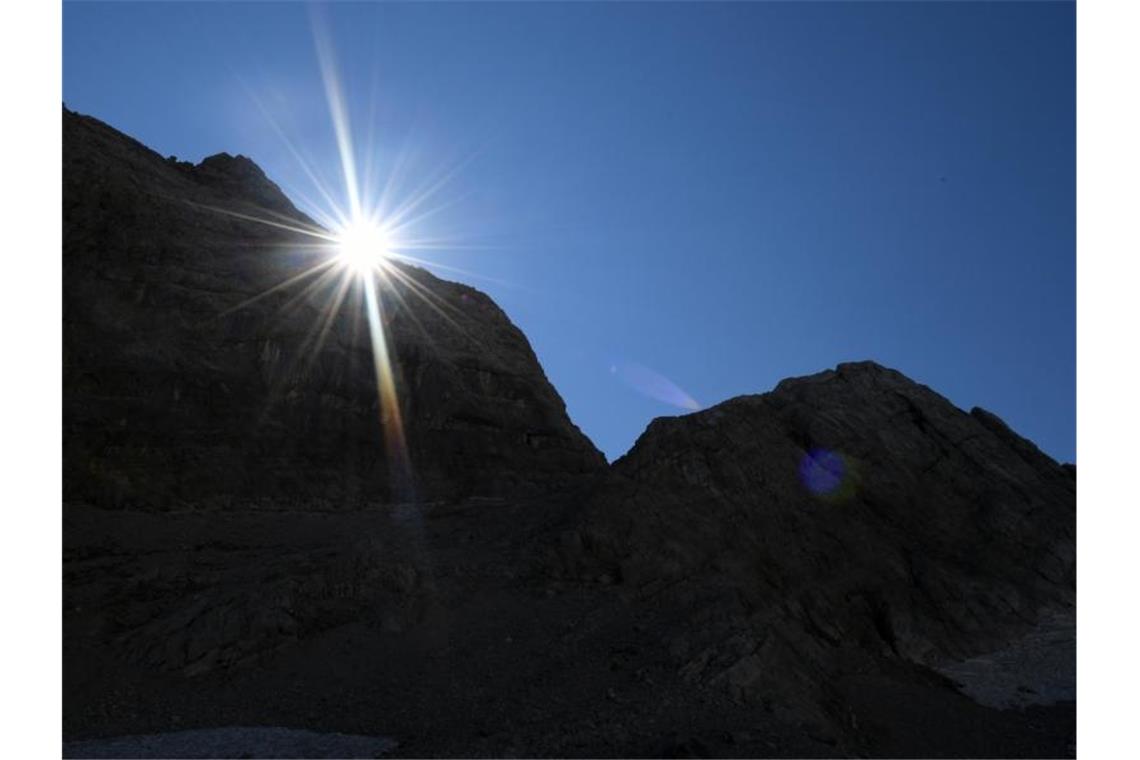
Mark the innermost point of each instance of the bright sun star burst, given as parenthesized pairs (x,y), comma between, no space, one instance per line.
(362,239)
(362,246)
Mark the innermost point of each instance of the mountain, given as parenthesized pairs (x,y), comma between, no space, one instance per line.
(845,565)
(842,521)
(178,395)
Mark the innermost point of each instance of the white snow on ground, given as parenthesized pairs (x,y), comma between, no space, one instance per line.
(1038,669)
(234,741)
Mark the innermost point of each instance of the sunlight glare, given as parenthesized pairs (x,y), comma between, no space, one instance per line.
(360,242)
(362,246)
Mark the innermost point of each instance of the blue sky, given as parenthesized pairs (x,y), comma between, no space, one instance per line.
(676,202)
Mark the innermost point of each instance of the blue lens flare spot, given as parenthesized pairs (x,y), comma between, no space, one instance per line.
(823,472)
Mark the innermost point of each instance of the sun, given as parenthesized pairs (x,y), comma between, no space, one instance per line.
(362,246)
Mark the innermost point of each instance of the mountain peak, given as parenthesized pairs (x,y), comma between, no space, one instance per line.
(181,347)
(239,175)
(780,564)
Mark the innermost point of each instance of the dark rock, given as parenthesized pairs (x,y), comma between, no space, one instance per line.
(240,177)
(843,517)
(790,574)
(175,394)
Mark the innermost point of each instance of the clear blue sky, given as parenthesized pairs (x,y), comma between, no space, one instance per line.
(720,195)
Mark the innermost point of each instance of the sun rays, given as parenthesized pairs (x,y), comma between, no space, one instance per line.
(362,246)
(358,246)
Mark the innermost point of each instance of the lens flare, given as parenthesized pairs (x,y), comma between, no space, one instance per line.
(827,474)
(362,247)
(361,243)
(653,384)
(822,471)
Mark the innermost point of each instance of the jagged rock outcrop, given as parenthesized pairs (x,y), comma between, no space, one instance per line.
(796,573)
(843,517)
(176,395)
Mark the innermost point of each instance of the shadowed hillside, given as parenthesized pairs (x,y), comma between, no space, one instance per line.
(191,381)
(847,565)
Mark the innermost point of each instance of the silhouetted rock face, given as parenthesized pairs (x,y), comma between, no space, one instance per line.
(783,574)
(845,513)
(240,177)
(173,396)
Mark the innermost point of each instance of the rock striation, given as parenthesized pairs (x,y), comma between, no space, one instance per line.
(843,518)
(176,394)
(845,565)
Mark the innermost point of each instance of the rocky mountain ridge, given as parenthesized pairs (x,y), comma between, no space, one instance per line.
(193,378)
(785,574)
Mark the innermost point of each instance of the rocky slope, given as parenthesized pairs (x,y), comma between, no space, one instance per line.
(799,573)
(842,522)
(176,397)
